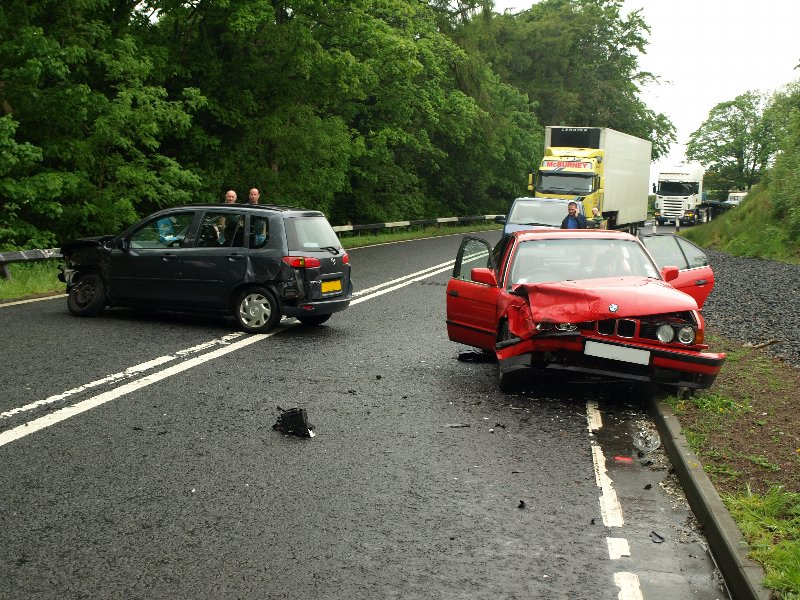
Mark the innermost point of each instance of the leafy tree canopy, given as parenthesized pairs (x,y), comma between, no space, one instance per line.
(735,141)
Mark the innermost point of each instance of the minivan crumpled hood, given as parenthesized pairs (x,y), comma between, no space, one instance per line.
(71,246)
(593,299)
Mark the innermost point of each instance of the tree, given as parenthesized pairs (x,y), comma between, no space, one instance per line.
(783,113)
(735,141)
(578,61)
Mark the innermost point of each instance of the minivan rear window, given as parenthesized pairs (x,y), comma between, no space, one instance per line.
(310,233)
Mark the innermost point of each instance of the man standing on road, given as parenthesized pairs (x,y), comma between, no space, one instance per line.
(252,198)
(574,220)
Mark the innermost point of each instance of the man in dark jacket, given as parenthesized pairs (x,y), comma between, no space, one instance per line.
(574,220)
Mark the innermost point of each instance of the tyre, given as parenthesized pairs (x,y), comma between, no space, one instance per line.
(256,310)
(87,297)
(314,319)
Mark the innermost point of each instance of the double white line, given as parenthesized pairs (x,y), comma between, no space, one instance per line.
(227,343)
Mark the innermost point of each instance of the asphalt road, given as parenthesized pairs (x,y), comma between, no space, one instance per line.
(139,461)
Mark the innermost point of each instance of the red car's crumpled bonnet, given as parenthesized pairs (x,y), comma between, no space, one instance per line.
(591,299)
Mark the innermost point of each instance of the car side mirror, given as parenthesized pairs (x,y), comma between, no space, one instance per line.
(123,244)
(669,273)
(483,275)
(654,188)
(499,219)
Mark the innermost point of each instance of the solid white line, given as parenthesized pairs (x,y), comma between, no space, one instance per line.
(126,374)
(610,508)
(90,403)
(70,411)
(617,548)
(438,268)
(628,584)
(29,300)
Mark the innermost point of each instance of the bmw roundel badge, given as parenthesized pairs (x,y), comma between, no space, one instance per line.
(613,308)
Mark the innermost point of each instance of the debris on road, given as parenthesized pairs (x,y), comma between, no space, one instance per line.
(456,425)
(656,537)
(521,504)
(477,356)
(294,421)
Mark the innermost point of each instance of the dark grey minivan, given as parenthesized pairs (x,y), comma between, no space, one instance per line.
(254,262)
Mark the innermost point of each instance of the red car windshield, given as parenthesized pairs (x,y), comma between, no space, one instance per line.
(548,260)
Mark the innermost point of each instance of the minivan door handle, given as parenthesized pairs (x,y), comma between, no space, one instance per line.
(166,257)
(701,282)
(453,293)
(235,256)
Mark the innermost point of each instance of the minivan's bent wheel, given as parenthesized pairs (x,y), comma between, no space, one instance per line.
(257,310)
(314,319)
(87,297)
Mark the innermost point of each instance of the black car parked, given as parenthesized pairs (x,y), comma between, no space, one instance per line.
(255,262)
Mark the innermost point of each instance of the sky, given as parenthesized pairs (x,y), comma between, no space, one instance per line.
(710,51)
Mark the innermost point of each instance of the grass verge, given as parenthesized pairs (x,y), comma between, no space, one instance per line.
(745,431)
(30,280)
(750,229)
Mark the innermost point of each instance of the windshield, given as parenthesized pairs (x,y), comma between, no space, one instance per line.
(677,188)
(529,212)
(540,261)
(564,183)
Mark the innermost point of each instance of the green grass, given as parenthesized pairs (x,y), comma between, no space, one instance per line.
(750,229)
(38,278)
(31,279)
(771,525)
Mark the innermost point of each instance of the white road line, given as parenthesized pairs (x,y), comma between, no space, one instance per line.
(593,418)
(126,374)
(628,584)
(617,548)
(29,300)
(610,508)
(438,268)
(80,407)
(76,409)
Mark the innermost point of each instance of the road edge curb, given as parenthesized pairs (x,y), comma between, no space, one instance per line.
(742,575)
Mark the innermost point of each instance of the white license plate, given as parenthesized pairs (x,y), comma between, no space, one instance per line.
(630,355)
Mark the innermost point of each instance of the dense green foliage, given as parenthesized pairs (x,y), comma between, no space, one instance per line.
(749,140)
(368,110)
(735,143)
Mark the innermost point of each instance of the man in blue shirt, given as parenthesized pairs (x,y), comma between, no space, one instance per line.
(574,220)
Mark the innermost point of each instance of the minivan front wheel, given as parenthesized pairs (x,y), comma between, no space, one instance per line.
(257,310)
(87,296)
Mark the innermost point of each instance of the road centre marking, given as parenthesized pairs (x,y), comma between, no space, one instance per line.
(126,374)
(82,406)
(628,584)
(132,386)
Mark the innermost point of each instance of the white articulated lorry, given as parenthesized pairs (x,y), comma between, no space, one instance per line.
(679,195)
(599,167)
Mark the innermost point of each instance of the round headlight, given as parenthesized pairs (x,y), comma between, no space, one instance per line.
(686,335)
(665,333)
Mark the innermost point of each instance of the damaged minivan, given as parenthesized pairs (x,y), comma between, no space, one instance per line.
(256,263)
(588,302)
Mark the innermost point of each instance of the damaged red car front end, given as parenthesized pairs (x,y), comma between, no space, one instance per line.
(549,304)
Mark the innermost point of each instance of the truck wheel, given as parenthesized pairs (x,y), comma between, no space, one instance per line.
(87,297)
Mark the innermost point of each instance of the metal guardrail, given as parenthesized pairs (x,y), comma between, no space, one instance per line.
(6,258)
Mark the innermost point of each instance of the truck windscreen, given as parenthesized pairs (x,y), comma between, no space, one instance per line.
(677,188)
(564,183)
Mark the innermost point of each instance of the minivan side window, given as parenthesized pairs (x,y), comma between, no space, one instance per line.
(163,232)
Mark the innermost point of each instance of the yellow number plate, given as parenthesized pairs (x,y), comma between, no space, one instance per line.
(335,285)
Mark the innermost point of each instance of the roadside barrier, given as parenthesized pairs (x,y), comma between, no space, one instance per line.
(17,256)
